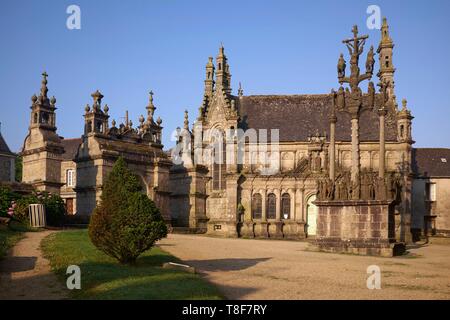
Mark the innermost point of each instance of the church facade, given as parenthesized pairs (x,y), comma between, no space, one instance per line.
(316,141)
(248,166)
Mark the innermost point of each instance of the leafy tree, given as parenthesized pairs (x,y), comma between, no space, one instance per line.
(19,165)
(126,223)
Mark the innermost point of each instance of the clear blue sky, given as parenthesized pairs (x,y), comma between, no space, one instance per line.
(126,48)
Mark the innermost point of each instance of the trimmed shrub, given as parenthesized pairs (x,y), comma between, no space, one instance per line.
(126,223)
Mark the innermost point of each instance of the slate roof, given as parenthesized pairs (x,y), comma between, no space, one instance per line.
(298,116)
(427,162)
(4,149)
(70,148)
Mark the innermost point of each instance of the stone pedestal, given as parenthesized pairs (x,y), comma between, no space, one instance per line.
(275,229)
(294,230)
(246,229)
(364,227)
(261,230)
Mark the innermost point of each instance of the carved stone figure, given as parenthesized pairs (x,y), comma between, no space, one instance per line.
(340,98)
(341,66)
(370,61)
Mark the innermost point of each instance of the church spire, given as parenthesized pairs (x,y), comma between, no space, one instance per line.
(223,76)
(385,53)
(209,80)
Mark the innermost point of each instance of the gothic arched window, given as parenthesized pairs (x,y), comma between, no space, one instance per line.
(271,206)
(256,206)
(219,163)
(286,206)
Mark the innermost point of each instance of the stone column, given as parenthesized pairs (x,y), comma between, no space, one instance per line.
(382,194)
(332,148)
(381,163)
(278,206)
(355,148)
(264,205)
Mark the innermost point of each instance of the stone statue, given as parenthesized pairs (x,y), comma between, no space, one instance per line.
(370,61)
(340,98)
(317,163)
(371,188)
(341,66)
(330,189)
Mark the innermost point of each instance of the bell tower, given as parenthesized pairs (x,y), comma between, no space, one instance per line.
(42,147)
(96,119)
(385,53)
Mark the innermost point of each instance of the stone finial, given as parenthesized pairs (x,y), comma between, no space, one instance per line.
(130,124)
(240,90)
(158,121)
(404,105)
(186,120)
(385,37)
(141,119)
(106,109)
(150,108)
(97,96)
(221,50)
(87,108)
(151,97)
(34,98)
(44,82)
(53,101)
(113,123)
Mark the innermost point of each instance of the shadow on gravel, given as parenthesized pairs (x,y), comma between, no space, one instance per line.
(224,264)
(17,264)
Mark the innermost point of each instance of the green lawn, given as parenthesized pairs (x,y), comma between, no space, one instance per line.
(103,278)
(9,236)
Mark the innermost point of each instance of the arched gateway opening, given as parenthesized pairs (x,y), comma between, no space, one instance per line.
(311,216)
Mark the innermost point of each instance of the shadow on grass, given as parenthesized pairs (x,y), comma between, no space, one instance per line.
(104,278)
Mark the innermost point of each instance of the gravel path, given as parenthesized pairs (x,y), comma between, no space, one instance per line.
(25,274)
(270,269)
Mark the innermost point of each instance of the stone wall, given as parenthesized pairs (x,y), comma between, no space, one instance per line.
(7,168)
(357,226)
(437,213)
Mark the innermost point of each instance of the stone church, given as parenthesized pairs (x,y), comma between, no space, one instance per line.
(317,140)
(263,166)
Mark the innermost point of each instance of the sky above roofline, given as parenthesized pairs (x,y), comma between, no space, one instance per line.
(126,49)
